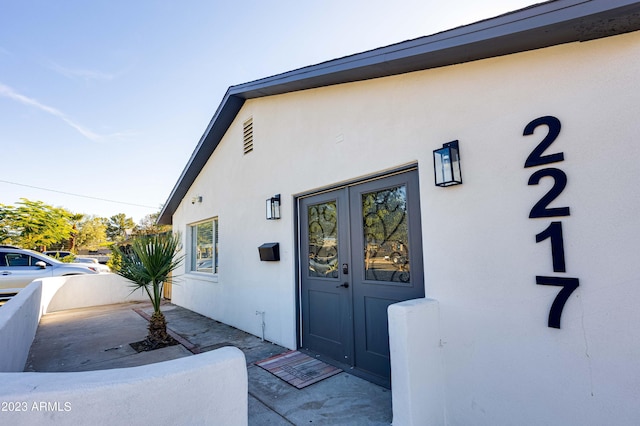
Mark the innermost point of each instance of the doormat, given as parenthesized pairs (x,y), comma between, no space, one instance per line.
(298,369)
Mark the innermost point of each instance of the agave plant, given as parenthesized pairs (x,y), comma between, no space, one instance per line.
(148,264)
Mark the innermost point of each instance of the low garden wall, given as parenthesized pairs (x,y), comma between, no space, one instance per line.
(20,316)
(209,388)
(19,320)
(81,291)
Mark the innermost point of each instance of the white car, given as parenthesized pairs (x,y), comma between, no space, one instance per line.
(57,254)
(93,262)
(18,267)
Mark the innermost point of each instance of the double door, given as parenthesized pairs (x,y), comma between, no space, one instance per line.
(361,250)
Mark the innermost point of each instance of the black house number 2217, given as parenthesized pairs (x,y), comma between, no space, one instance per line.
(541,210)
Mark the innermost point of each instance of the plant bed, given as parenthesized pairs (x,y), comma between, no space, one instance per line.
(147,345)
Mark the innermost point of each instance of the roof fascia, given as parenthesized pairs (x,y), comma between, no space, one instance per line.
(538,26)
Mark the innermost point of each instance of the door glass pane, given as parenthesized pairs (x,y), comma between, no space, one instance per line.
(323,240)
(386,238)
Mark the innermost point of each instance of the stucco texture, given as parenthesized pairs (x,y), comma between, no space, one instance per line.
(501,364)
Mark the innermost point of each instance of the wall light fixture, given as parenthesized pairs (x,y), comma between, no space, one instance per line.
(273,207)
(446,165)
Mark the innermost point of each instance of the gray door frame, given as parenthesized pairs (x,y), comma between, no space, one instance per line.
(353,351)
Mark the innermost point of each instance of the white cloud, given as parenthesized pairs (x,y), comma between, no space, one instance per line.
(8,92)
(87,75)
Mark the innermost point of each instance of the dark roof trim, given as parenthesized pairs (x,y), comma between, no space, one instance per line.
(538,26)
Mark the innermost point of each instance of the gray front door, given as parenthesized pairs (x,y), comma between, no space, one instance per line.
(361,250)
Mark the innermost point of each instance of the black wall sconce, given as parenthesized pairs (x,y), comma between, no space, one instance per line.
(273,207)
(446,165)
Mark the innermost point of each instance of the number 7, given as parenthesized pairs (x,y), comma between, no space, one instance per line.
(568,286)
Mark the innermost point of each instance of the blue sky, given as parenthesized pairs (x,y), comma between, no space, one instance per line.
(108,99)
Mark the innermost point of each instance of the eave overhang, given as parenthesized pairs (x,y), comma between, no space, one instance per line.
(535,27)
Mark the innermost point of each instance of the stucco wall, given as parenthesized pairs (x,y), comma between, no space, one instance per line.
(78,291)
(19,320)
(501,363)
(20,316)
(209,388)
(417,366)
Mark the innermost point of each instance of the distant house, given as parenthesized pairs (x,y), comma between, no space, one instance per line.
(525,278)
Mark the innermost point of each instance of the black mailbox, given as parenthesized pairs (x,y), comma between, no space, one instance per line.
(269,251)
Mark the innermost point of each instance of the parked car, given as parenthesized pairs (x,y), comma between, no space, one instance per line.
(57,254)
(18,267)
(205,265)
(93,262)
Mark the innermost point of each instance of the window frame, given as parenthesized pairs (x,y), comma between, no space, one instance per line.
(193,249)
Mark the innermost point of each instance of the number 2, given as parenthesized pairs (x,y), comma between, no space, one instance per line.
(541,209)
(536,158)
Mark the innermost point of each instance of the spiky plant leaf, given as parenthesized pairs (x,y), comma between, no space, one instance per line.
(148,263)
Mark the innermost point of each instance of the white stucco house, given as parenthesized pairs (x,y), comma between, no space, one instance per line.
(509,298)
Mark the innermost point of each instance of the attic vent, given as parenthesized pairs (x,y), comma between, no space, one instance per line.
(248,136)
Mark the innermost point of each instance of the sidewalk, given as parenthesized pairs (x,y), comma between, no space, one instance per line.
(98,338)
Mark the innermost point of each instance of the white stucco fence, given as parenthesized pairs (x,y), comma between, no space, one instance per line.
(80,291)
(595,381)
(416,362)
(18,324)
(209,388)
(20,316)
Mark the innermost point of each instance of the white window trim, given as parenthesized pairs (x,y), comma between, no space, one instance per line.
(197,275)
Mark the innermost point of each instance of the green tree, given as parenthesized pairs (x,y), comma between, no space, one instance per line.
(91,233)
(149,225)
(118,227)
(115,260)
(35,225)
(148,263)
(75,221)
(7,232)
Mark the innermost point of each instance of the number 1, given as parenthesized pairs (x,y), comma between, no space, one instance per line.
(554,232)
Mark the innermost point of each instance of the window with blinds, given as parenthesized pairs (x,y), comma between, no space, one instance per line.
(204,247)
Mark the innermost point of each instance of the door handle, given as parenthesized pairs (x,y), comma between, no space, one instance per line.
(6,273)
(345,285)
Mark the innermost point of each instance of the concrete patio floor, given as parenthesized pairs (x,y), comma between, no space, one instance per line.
(98,338)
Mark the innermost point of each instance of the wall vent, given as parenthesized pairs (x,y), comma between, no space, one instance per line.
(248,136)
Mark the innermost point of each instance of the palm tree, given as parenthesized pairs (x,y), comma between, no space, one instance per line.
(148,264)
